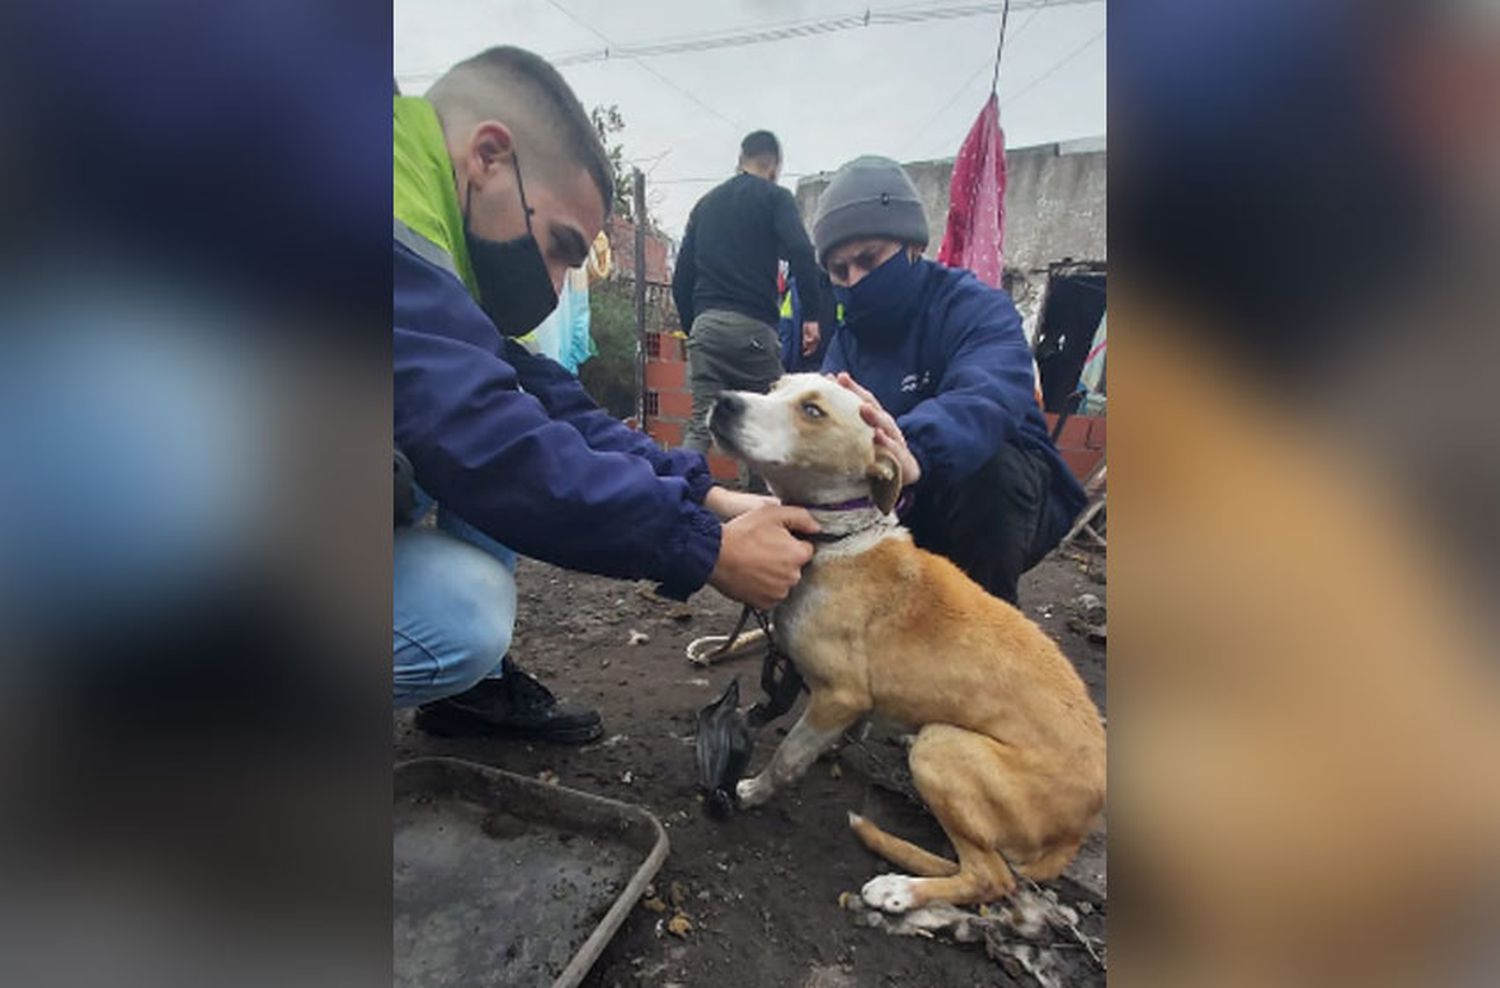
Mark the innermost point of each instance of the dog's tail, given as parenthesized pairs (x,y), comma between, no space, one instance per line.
(901,853)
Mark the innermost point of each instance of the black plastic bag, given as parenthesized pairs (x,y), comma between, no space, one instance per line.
(724,746)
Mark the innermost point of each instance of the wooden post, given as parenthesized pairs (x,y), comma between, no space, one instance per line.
(640,300)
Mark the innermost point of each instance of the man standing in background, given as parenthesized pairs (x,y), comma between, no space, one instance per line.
(725,282)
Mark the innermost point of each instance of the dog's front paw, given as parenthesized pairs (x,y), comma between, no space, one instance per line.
(891,893)
(752,792)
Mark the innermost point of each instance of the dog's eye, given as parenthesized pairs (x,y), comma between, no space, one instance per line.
(811,411)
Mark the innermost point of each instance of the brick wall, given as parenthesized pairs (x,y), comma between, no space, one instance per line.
(621,233)
(669,405)
(1081,443)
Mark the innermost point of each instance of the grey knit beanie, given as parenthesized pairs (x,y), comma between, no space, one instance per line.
(868,197)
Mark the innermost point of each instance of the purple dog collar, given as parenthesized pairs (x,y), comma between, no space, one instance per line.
(903,504)
(854,505)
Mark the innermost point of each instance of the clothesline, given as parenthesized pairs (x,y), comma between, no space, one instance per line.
(1000,48)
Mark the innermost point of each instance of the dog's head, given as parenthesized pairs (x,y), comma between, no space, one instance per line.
(807,439)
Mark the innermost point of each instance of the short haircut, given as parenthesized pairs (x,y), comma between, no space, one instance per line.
(523,91)
(760,144)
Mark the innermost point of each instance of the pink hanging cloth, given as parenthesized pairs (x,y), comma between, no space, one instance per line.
(976,200)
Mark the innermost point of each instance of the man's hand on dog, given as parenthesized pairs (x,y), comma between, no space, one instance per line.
(729,504)
(760,560)
(887,433)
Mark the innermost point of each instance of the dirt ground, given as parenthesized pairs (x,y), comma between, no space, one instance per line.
(762,888)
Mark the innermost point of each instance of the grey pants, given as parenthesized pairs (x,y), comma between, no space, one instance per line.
(727,351)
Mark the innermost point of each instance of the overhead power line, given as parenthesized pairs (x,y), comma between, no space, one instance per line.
(796,29)
(932,118)
(714,179)
(964,86)
(734,124)
(1056,67)
(783,31)
(1027,22)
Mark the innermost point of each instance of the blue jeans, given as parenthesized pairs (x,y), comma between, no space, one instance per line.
(454,595)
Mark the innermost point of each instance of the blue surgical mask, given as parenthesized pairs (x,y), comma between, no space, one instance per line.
(880,304)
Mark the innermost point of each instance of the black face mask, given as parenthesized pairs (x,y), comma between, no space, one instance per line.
(515,288)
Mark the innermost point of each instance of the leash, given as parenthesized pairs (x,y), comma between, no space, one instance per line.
(779,678)
(886,777)
(704,651)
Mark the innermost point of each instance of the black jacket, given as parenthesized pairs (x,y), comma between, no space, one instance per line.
(734,237)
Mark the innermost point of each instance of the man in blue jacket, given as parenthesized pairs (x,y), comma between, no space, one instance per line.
(501,184)
(943,366)
(802,345)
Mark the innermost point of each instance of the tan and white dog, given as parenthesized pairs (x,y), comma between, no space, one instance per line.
(1009,751)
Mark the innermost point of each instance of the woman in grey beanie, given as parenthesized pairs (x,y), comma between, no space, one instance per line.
(946,375)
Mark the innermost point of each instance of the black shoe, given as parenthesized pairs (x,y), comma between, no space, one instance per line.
(515,705)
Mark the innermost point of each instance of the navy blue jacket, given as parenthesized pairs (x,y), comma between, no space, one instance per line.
(512,443)
(959,382)
(789,330)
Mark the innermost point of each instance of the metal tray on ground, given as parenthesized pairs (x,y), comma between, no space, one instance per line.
(503,880)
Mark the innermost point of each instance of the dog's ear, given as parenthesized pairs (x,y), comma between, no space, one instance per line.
(885,481)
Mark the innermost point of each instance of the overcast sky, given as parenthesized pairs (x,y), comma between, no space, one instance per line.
(909,91)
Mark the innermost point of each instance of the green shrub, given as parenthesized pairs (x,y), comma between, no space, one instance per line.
(610,375)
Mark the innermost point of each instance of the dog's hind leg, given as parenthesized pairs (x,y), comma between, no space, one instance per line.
(954,770)
(1052,863)
(983,876)
(901,853)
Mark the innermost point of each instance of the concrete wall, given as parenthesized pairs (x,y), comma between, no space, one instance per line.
(1054,209)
